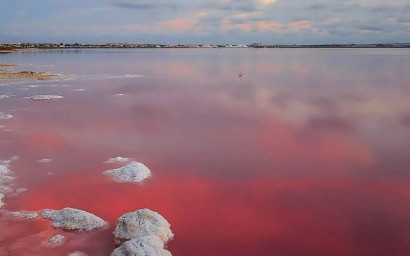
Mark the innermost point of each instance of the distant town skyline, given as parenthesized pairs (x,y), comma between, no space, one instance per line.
(212,22)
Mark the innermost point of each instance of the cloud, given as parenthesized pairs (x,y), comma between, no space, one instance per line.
(144,4)
(222,21)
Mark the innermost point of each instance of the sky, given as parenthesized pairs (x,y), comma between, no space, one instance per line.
(206,21)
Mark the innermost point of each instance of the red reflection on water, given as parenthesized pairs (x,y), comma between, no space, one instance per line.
(232,174)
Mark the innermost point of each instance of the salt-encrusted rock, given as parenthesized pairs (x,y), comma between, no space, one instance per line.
(149,245)
(77,254)
(117,159)
(142,223)
(4,116)
(133,172)
(5,173)
(44,160)
(73,219)
(24,215)
(46,97)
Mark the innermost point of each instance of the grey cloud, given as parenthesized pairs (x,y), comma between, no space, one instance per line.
(314,7)
(371,28)
(145,4)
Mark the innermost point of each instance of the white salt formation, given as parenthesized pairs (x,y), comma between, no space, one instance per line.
(134,173)
(5,176)
(44,160)
(55,241)
(5,116)
(143,232)
(5,173)
(73,219)
(6,190)
(140,224)
(117,159)
(77,254)
(24,215)
(149,245)
(45,97)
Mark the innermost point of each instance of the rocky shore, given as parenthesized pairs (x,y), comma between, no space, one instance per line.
(26,75)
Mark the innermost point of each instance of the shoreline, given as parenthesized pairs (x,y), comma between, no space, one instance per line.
(6,48)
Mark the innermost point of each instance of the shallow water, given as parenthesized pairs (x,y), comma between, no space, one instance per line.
(306,154)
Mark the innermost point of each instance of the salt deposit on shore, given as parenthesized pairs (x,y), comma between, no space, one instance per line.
(73,219)
(143,232)
(26,75)
(6,65)
(46,97)
(134,173)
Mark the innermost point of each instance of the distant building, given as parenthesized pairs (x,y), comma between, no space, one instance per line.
(256,45)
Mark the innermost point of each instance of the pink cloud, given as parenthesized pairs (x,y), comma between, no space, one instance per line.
(301,25)
(179,24)
(271,27)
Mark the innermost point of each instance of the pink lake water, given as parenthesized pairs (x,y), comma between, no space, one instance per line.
(307,154)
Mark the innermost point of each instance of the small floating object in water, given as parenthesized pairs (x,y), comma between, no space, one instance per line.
(46,97)
(24,215)
(55,241)
(5,116)
(44,160)
(117,159)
